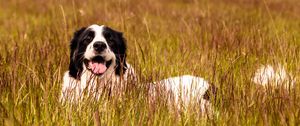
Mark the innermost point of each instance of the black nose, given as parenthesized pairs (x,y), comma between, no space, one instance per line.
(99,46)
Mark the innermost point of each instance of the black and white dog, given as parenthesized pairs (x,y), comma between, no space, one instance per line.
(98,60)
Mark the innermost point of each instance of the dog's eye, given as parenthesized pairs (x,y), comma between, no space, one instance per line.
(107,35)
(89,37)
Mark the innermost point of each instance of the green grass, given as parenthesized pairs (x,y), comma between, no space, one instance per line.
(223,41)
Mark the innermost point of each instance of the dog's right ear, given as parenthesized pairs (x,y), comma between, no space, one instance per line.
(75,68)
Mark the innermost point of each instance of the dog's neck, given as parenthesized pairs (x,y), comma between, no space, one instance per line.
(88,78)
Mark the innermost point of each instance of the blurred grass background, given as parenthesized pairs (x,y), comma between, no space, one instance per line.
(223,41)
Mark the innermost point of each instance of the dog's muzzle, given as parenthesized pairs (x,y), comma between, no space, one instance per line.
(99,46)
(97,65)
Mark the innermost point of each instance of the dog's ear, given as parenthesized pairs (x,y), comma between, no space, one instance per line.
(117,43)
(121,53)
(75,67)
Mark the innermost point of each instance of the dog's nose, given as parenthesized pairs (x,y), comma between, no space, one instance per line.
(99,46)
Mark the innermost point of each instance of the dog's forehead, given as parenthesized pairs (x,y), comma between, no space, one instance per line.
(98,29)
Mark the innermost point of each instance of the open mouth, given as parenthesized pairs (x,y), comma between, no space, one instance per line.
(97,65)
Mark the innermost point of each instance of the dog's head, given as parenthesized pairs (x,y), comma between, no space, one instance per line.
(97,49)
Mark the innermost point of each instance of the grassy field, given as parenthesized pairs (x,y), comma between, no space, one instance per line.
(223,41)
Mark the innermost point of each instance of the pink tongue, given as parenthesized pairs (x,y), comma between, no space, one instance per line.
(97,68)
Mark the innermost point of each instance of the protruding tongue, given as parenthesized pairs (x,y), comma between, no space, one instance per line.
(97,68)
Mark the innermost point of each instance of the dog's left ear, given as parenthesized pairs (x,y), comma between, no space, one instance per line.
(75,67)
(121,54)
(117,43)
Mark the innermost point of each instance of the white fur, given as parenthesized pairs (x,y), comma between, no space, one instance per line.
(184,89)
(267,75)
(73,90)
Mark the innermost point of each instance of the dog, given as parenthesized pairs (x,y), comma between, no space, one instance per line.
(98,62)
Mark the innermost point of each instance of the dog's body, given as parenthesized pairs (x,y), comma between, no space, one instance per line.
(98,62)
(182,91)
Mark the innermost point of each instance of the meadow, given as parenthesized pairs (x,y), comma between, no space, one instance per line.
(223,41)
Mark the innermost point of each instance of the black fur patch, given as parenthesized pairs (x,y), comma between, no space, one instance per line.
(75,67)
(212,90)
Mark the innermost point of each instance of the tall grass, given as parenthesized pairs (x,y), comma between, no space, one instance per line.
(223,41)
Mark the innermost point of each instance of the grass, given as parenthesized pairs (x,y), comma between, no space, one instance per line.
(223,41)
